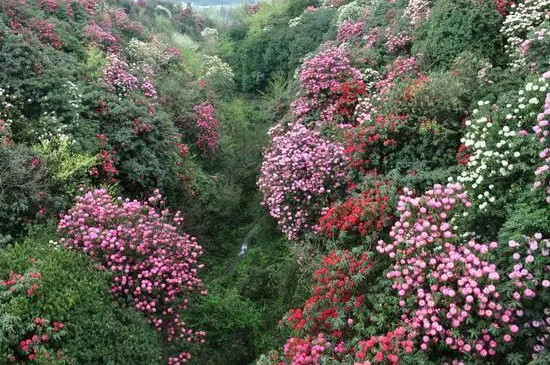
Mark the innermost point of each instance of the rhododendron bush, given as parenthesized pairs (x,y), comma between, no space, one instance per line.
(155,267)
(207,125)
(529,276)
(330,87)
(368,212)
(445,283)
(27,342)
(301,175)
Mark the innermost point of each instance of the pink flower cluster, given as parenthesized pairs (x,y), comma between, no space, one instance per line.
(542,132)
(372,37)
(117,77)
(300,175)
(526,274)
(327,70)
(397,41)
(91,5)
(46,33)
(384,349)
(97,34)
(149,89)
(306,352)
(349,30)
(400,67)
(443,283)
(154,265)
(417,11)
(321,77)
(530,279)
(208,126)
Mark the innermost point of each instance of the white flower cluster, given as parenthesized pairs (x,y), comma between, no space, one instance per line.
(151,53)
(210,34)
(295,22)
(370,78)
(217,72)
(522,20)
(494,143)
(365,109)
(355,10)
(49,126)
(8,111)
(75,100)
(162,10)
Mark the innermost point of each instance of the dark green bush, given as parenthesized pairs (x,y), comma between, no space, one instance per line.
(73,291)
(456,26)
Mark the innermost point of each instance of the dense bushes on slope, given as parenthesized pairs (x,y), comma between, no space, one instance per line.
(453,104)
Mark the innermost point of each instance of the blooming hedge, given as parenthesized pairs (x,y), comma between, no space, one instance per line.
(301,175)
(154,265)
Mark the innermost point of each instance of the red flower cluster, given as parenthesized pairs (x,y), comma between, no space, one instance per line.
(139,127)
(384,349)
(16,279)
(334,295)
(504,6)
(35,343)
(28,341)
(368,146)
(46,33)
(107,168)
(462,156)
(345,97)
(365,214)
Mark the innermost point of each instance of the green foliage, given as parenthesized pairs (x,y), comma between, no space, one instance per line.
(231,323)
(67,167)
(458,26)
(22,188)
(270,46)
(74,292)
(527,216)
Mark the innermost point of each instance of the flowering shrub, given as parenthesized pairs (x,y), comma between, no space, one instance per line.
(397,41)
(366,213)
(306,351)
(496,144)
(217,73)
(370,146)
(400,67)
(445,286)
(329,85)
(349,30)
(417,11)
(207,125)
(529,276)
(29,342)
(46,33)
(385,348)
(97,34)
(153,54)
(523,19)
(542,133)
(301,175)
(337,296)
(154,265)
(117,76)
(354,10)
